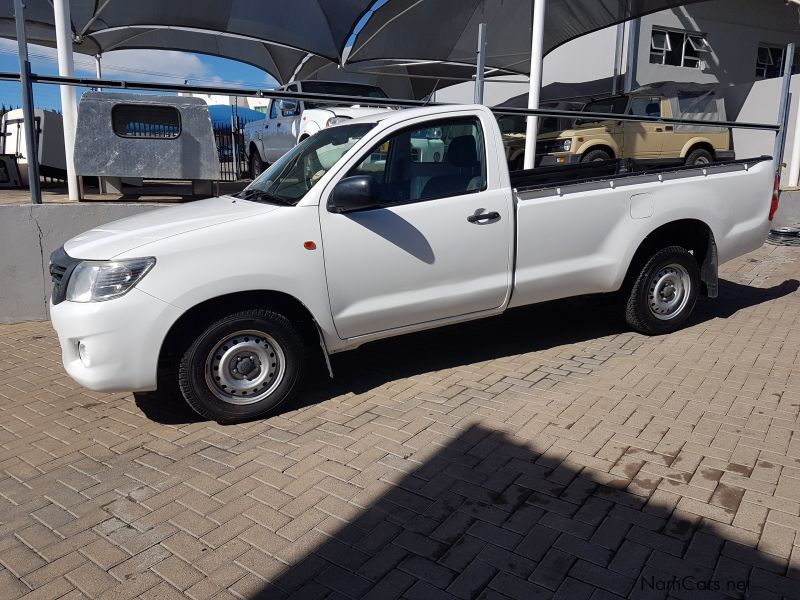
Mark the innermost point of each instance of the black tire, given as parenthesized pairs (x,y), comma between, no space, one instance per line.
(650,292)
(699,157)
(257,332)
(256,165)
(597,155)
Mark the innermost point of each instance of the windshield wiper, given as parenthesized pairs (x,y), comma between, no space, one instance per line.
(262,196)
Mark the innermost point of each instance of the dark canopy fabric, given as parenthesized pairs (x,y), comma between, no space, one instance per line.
(318,26)
(278,61)
(278,35)
(398,79)
(448,31)
(236,29)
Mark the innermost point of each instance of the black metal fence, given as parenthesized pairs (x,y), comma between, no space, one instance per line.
(229,138)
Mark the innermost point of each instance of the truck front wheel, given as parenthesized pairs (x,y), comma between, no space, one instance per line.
(596,156)
(242,366)
(256,165)
(664,293)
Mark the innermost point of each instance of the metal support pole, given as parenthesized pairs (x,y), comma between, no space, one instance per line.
(28,111)
(618,52)
(535,89)
(785,109)
(98,68)
(234,144)
(69,102)
(634,28)
(481,74)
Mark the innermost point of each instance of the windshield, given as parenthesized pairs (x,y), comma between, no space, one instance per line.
(342,89)
(616,105)
(292,176)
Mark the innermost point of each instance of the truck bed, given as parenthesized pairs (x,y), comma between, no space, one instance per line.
(559,175)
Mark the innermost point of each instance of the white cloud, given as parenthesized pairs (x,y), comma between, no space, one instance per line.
(159,66)
(154,65)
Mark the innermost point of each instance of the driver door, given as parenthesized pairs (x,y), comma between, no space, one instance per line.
(439,245)
(644,140)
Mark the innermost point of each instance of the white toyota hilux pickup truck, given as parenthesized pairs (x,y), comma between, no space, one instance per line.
(352,236)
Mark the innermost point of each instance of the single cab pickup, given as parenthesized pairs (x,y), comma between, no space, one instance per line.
(354,236)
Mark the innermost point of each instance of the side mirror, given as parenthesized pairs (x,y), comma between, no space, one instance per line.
(289,107)
(353,194)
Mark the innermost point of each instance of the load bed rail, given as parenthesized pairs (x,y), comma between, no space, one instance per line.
(607,170)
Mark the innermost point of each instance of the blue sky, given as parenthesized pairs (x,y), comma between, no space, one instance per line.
(130,65)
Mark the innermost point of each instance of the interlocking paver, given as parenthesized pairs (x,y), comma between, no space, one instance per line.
(548,453)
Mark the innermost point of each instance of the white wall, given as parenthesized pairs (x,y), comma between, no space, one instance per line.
(584,59)
(733,28)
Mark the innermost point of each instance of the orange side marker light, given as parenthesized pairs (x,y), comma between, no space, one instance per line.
(310,246)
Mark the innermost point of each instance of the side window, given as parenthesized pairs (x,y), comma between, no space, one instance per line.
(299,105)
(440,160)
(645,107)
(273,109)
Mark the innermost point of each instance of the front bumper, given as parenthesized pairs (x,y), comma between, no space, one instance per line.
(549,160)
(123,338)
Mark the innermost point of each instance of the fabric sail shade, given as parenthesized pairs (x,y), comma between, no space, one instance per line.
(272,34)
(278,36)
(448,31)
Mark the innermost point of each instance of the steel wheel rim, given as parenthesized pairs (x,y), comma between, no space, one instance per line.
(245,367)
(702,160)
(669,291)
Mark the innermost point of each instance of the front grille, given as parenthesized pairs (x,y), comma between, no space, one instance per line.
(61,267)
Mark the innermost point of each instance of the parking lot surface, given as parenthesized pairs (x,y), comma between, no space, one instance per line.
(545,454)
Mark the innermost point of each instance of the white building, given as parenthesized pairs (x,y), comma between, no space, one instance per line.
(738,44)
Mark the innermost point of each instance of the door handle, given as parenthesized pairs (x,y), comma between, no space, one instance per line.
(659,130)
(669,128)
(483,217)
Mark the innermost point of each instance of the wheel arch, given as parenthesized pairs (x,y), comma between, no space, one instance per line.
(698,144)
(613,153)
(692,234)
(200,315)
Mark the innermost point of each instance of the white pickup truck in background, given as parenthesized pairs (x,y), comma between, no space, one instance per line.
(290,121)
(354,236)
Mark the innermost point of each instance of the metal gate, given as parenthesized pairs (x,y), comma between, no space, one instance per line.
(229,138)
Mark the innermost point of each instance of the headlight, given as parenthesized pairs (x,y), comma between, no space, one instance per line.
(97,281)
(337,121)
(564,146)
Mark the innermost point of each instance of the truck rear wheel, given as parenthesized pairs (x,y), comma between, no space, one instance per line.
(699,157)
(242,366)
(664,293)
(596,156)
(256,165)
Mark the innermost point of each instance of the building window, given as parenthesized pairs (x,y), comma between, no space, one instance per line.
(770,61)
(678,48)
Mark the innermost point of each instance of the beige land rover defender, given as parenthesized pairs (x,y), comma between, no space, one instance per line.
(586,140)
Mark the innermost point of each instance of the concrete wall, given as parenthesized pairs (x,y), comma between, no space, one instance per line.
(28,234)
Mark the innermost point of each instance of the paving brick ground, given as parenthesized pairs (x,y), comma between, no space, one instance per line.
(546,454)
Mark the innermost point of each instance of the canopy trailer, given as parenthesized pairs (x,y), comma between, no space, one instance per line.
(140,135)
